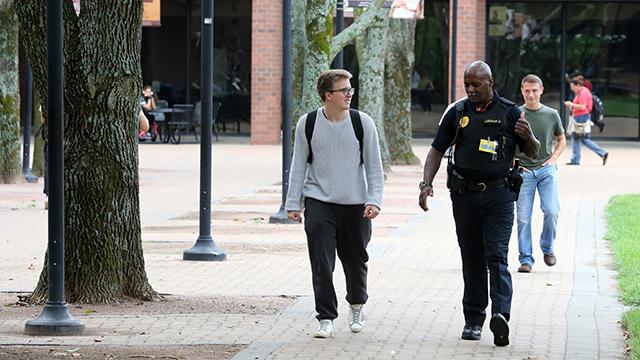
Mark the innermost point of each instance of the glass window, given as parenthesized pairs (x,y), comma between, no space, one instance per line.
(430,78)
(524,38)
(602,45)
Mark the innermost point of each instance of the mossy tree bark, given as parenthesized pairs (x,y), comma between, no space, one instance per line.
(103,246)
(399,62)
(9,94)
(370,49)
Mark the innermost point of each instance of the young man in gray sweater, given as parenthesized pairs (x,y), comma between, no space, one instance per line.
(337,168)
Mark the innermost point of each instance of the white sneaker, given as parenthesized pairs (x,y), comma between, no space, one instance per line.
(324,330)
(356,317)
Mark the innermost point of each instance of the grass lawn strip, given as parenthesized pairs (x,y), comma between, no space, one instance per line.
(623,215)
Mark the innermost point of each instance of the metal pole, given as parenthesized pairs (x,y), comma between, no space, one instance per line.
(563,63)
(454,47)
(55,318)
(281,216)
(187,55)
(26,124)
(339,60)
(205,249)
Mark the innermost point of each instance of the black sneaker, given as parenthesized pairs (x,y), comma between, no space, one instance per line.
(500,329)
(471,332)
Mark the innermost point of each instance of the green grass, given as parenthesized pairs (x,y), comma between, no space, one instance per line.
(623,213)
(631,321)
(620,106)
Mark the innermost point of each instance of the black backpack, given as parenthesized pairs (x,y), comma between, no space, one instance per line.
(597,112)
(356,122)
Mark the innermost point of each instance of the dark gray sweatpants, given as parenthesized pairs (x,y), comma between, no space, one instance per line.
(342,228)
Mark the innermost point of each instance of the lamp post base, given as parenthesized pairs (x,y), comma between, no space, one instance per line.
(281,218)
(55,320)
(204,250)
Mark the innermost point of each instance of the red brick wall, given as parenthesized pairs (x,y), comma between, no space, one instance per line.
(266,71)
(470,40)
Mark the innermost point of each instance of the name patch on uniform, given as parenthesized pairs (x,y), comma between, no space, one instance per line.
(492,121)
(488,146)
(464,121)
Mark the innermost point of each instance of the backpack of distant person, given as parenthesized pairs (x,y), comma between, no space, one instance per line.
(597,112)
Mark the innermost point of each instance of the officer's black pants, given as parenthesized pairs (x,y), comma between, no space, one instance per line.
(332,227)
(483,225)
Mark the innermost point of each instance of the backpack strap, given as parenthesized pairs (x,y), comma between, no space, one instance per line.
(460,112)
(308,130)
(356,122)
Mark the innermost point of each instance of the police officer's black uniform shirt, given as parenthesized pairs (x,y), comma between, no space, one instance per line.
(447,132)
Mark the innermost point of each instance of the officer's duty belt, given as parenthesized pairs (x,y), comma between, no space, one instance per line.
(484,185)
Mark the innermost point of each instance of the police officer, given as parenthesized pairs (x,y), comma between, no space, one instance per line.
(486,129)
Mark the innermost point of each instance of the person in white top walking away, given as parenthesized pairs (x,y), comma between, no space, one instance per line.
(337,168)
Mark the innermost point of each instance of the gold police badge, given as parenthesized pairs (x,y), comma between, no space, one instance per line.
(464,121)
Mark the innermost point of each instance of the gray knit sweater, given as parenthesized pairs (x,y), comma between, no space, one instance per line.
(335,175)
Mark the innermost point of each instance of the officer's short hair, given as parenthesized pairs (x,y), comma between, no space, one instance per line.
(330,77)
(531,78)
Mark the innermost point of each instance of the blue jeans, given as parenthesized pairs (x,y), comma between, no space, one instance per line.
(586,140)
(545,180)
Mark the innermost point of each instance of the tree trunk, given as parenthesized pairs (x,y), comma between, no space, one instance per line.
(397,92)
(314,47)
(37,168)
(319,34)
(103,246)
(370,49)
(298,54)
(9,94)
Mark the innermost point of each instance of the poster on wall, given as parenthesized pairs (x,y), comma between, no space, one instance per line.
(151,13)
(497,14)
(407,9)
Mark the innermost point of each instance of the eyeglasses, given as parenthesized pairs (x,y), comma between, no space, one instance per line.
(345,91)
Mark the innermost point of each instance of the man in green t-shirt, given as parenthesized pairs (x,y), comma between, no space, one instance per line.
(539,173)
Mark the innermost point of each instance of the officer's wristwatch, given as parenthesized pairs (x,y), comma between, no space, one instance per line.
(423,184)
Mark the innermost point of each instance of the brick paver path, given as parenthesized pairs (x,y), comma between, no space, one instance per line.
(565,312)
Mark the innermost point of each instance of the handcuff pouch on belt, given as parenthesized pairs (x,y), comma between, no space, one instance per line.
(514,178)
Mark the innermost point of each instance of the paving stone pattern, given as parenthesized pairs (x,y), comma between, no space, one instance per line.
(569,311)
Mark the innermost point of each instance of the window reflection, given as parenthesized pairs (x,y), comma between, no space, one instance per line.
(601,44)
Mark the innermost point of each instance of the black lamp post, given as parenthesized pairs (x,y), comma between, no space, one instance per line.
(281,216)
(339,62)
(55,318)
(205,249)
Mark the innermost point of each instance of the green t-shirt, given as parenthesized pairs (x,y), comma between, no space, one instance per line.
(545,124)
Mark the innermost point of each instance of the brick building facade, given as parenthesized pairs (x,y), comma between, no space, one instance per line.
(266,60)
(266,71)
(609,58)
(470,38)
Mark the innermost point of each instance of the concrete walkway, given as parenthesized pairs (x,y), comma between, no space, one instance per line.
(568,311)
